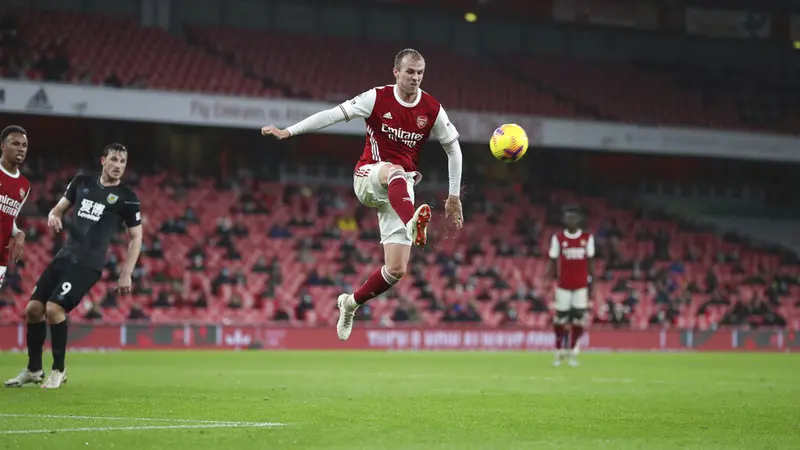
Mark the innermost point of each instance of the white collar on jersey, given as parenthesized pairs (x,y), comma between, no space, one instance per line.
(572,236)
(12,175)
(407,105)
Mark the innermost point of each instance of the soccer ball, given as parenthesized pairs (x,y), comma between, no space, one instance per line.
(509,142)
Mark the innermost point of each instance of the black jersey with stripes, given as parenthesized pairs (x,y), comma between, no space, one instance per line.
(97,213)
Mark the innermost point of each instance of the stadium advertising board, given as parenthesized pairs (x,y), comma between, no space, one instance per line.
(145,336)
(23,97)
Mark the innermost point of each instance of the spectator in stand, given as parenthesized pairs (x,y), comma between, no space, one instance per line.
(260,266)
(93,312)
(405,312)
(281,312)
(305,305)
(712,284)
(137,313)
(13,280)
(110,299)
(347,223)
(113,81)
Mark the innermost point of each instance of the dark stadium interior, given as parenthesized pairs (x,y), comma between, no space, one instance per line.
(651,262)
(670,127)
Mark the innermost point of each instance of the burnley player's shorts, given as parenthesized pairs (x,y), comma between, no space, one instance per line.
(64,283)
(370,192)
(571,299)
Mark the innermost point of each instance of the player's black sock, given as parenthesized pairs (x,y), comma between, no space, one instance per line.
(35,337)
(58,334)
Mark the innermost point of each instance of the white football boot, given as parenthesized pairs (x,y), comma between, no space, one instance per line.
(417,227)
(347,309)
(55,379)
(25,377)
(573,356)
(559,358)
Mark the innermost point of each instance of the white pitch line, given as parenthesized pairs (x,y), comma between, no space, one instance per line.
(444,376)
(147,427)
(130,419)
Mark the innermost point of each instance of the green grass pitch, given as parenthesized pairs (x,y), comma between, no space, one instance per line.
(384,400)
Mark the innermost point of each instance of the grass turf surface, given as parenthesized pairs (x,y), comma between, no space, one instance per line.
(437,400)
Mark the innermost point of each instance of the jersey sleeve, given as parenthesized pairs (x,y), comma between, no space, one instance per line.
(22,203)
(72,190)
(131,213)
(14,229)
(555,248)
(359,106)
(443,130)
(590,247)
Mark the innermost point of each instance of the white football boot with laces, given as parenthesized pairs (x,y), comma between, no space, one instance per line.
(25,377)
(55,379)
(559,357)
(573,356)
(347,309)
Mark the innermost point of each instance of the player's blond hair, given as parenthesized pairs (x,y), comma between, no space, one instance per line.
(411,53)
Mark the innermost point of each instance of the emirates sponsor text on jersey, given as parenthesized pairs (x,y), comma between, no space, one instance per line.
(407,138)
(9,205)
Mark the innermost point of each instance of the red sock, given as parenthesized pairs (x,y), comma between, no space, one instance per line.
(399,197)
(577,332)
(379,282)
(560,331)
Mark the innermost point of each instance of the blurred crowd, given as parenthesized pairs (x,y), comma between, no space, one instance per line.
(658,276)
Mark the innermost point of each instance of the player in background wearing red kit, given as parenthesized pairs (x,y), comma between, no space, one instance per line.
(399,119)
(572,262)
(14,190)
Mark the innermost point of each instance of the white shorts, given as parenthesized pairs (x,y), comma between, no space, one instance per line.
(566,299)
(370,192)
(3,275)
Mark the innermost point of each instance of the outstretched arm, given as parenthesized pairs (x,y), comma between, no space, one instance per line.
(452,206)
(63,205)
(551,271)
(360,106)
(58,211)
(132,216)
(590,265)
(447,135)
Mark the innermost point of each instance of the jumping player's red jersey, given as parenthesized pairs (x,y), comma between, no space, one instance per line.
(396,130)
(573,252)
(14,190)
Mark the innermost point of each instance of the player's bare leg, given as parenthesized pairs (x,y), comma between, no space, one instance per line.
(35,336)
(393,177)
(575,335)
(560,329)
(58,334)
(396,258)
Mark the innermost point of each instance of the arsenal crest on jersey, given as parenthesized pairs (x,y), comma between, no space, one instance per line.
(422,121)
(21,193)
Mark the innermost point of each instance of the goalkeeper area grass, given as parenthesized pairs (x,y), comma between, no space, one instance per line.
(383,400)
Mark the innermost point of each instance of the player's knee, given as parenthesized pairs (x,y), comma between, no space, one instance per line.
(396,271)
(561,317)
(388,171)
(578,316)
(55,313)
(34,311)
